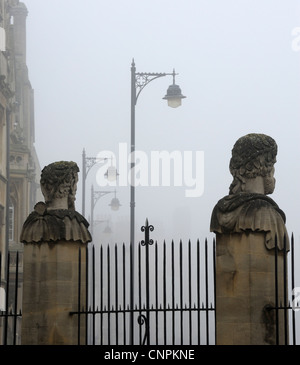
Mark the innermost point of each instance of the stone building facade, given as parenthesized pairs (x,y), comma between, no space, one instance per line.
(19,166)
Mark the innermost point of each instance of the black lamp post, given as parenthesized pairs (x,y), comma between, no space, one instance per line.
(139,80)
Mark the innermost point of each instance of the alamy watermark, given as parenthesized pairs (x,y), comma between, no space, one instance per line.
(154,169)
(296,39)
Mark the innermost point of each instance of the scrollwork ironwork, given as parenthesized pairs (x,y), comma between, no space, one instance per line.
(143,79)
(143,320)
(147,229)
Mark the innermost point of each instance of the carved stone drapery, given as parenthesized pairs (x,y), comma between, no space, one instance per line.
(247,208)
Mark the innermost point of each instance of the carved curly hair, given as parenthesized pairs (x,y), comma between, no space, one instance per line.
(252,155)
(58,180)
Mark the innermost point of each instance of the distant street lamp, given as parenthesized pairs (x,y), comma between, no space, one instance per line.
(111,173)
(115,203)
(107,229)
(95,196)
(87,164)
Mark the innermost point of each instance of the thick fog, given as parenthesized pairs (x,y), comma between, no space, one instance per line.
(237,65)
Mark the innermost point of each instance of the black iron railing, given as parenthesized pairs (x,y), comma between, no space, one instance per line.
(172,301)
(11,314)
(164,294)
(283,310)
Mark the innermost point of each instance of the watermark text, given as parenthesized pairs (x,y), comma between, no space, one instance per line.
(296,39)
(155,169)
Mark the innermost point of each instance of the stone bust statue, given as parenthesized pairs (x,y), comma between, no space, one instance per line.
(56,218)
(247,208)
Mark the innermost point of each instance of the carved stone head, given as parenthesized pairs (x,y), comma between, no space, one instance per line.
(253,156)
(59,184)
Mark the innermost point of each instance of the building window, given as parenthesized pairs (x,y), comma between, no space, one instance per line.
(11,222)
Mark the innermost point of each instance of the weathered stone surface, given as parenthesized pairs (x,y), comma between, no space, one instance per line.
(250,212)
(51,293)
(53,235)
(247,207)
(246,223)
(56,219)
(244,286)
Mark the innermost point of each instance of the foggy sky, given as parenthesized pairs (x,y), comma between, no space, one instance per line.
(237,65)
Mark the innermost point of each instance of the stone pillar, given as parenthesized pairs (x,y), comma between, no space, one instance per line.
(50,286)
(245,289)
(53,235)
(247,223)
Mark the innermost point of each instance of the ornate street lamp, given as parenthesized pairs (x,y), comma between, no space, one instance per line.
(95,196)
(111,173)
(87,164)
(139,80)
(115,203)
(107,229)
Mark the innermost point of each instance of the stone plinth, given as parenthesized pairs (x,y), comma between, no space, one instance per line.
(51,293)
(245,287)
